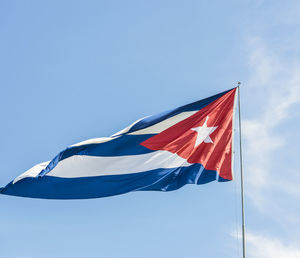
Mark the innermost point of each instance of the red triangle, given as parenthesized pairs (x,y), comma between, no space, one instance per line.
(180,139)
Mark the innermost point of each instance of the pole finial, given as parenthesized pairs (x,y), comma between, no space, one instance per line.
(239,84)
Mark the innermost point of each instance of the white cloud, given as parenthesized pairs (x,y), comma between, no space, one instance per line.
(275,86)
(263,246)
(266,247)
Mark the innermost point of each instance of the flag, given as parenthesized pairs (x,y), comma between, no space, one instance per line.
(191,144)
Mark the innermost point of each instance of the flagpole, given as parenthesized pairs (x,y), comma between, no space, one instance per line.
(242,175)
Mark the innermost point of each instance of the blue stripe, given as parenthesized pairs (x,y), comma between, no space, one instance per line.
(151,120)
(93,187)
(120,146)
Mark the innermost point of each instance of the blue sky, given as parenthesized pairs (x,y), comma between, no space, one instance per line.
(74,70)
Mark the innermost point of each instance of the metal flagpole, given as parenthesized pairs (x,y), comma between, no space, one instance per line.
(242,176)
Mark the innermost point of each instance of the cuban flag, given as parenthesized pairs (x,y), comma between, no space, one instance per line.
(191,144)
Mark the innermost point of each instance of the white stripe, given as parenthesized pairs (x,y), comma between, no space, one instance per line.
(125,130)
(32,172)
(165,124)
(94,140)
(106,139)
(86,166)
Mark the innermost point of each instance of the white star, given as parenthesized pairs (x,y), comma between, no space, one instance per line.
(203,133)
